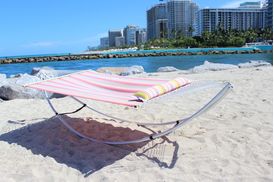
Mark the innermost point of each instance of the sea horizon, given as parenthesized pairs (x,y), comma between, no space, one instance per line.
(127,51)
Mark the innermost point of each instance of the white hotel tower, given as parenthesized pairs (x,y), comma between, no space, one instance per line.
(181,17)
(248,15)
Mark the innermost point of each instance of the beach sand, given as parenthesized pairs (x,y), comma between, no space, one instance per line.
(231,142)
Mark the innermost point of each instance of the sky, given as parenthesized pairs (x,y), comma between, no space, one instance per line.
(30,27)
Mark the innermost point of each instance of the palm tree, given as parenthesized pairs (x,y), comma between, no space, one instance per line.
(174,33)
(179,34)
(190,30)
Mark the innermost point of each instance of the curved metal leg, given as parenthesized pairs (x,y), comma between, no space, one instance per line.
(138,123)
(178,124)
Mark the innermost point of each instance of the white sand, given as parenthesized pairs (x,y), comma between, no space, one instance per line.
(231,142)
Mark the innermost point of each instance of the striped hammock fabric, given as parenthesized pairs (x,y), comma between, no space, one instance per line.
(114,89)
(161,89)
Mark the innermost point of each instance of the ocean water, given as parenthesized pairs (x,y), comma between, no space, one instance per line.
(34,55)
(193,50)
(264,47)
(150,64)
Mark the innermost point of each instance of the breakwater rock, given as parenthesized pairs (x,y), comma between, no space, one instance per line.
(167,69)
(75,57)
(253,64)
(122,71)
(13,88)
(208,66)
(2,77)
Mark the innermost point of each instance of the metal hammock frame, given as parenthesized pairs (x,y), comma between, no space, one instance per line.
(176,124)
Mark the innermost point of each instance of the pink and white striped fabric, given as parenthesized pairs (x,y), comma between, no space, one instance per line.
(101,87)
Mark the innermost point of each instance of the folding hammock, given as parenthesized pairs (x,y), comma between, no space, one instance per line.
(126,91)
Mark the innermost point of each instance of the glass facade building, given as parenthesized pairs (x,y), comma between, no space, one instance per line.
(141,36)
(270,14)
(157,22)
(119,41)
(112,34)
(181,15)
(104,42)
(130,34)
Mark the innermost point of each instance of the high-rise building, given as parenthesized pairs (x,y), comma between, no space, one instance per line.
(119,41)
(112,34)
(252,5)
(234,18)
(104,42)
(270,14)
(130,34)
(161,28)
(141,36)
(181,15)
(157,22)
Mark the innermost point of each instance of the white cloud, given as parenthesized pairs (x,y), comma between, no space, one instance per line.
(236,3)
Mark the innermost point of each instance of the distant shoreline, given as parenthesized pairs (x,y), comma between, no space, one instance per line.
(151,53)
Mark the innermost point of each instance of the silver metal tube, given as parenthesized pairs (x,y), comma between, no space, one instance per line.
(179,124)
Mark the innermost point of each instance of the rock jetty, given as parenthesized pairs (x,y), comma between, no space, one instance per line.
(75,57)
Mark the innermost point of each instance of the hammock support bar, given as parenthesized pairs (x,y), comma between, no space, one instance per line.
(177,124)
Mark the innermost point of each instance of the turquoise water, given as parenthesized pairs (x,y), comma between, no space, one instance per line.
(263,48)
(150,64)
(34,55)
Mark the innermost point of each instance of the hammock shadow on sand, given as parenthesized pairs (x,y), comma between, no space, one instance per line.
(50,138)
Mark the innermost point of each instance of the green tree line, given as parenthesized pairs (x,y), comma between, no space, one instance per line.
(217,38)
